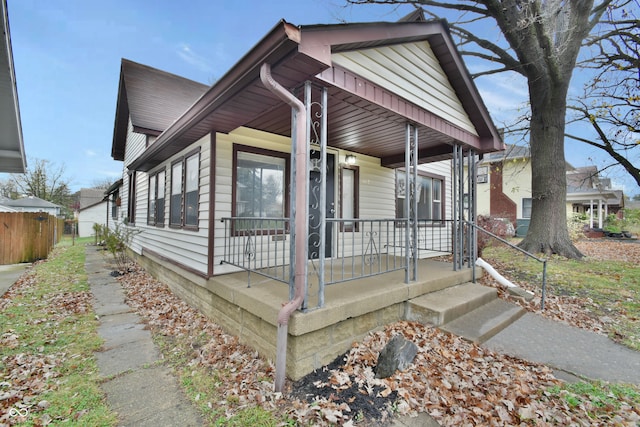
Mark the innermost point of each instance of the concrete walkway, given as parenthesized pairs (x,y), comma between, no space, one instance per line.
(570,351)
(9,274)
(139,387)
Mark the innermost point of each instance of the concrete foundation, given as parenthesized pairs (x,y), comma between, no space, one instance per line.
(316,336)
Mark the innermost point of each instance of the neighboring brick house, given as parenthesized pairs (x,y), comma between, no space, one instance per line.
(504,189)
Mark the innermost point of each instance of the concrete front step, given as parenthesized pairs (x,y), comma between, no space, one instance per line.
(484,322)
(440,307)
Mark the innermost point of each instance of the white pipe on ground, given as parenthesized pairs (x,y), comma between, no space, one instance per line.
(300,277)
(493,273)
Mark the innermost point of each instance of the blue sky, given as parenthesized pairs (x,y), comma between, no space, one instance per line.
(67,58)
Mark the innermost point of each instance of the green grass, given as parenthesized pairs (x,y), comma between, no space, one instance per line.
(610,288)
(55,344)
(203,387)
(596,397)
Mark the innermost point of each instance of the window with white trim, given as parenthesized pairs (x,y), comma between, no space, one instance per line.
(526,207)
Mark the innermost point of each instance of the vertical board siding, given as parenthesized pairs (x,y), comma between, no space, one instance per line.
(28,236)
(423,83)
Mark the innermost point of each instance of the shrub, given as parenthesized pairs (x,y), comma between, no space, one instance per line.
(501,227)
(116,241)
(576,225)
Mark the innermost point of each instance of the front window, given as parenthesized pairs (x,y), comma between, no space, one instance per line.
(185,190)
(175,215)
(526,208)
(192,178)
(260,183)
(156,199)
(115,204)
(429,193)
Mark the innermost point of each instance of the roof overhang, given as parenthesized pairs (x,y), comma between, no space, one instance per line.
(587,197)
(362,118)
(12,154)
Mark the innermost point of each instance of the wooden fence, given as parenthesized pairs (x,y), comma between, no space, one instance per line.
(28,236)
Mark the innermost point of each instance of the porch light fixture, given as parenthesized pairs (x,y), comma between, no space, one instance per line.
(350,159)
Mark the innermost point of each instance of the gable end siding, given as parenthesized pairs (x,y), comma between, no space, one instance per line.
(423,82)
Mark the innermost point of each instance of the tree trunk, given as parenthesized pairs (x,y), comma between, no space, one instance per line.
(548,231)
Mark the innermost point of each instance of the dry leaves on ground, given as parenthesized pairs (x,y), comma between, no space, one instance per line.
(456,382)
(28,371)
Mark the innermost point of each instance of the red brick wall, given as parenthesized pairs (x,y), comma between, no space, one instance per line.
(501,205)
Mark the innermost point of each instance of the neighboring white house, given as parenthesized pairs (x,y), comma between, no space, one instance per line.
(32,204)
(92,209)
(92,214)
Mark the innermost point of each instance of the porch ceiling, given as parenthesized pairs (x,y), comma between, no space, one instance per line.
(362,118)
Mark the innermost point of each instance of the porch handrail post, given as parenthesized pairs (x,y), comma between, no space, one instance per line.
(407,191)
(414,201)
(323,194)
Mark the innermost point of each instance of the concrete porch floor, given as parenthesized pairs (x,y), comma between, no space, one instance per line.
(344,300)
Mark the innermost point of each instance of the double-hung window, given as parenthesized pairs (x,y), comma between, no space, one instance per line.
(261,180)
(156,199)
(185,186)
(429,191)
(526,207)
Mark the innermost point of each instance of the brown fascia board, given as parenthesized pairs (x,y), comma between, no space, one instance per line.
(121,123)
(281,41)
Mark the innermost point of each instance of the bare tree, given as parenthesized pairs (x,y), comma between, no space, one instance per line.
(541,41)
(610,104)
(101,183)
(44,180)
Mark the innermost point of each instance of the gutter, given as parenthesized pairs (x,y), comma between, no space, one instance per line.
(300,215)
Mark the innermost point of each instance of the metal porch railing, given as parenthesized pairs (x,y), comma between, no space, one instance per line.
(528,254)
(360,247)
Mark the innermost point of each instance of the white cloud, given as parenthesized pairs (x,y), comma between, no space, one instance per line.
(90,153)
(190,57)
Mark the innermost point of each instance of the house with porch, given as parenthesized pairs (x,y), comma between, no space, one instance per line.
(298,201)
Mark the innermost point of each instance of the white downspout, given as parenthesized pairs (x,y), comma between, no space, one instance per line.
(300,278)
(493,273)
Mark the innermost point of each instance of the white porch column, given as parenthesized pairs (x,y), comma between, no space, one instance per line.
(600,214)
(590,213)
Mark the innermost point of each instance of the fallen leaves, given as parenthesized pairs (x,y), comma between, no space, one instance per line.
(456,382)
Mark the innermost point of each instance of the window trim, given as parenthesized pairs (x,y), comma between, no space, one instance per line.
(234,178)
(183,200)
(443,196)
(355,226)
(154,177)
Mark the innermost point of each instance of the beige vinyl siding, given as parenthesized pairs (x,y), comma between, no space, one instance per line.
(412,72)
(186,247)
